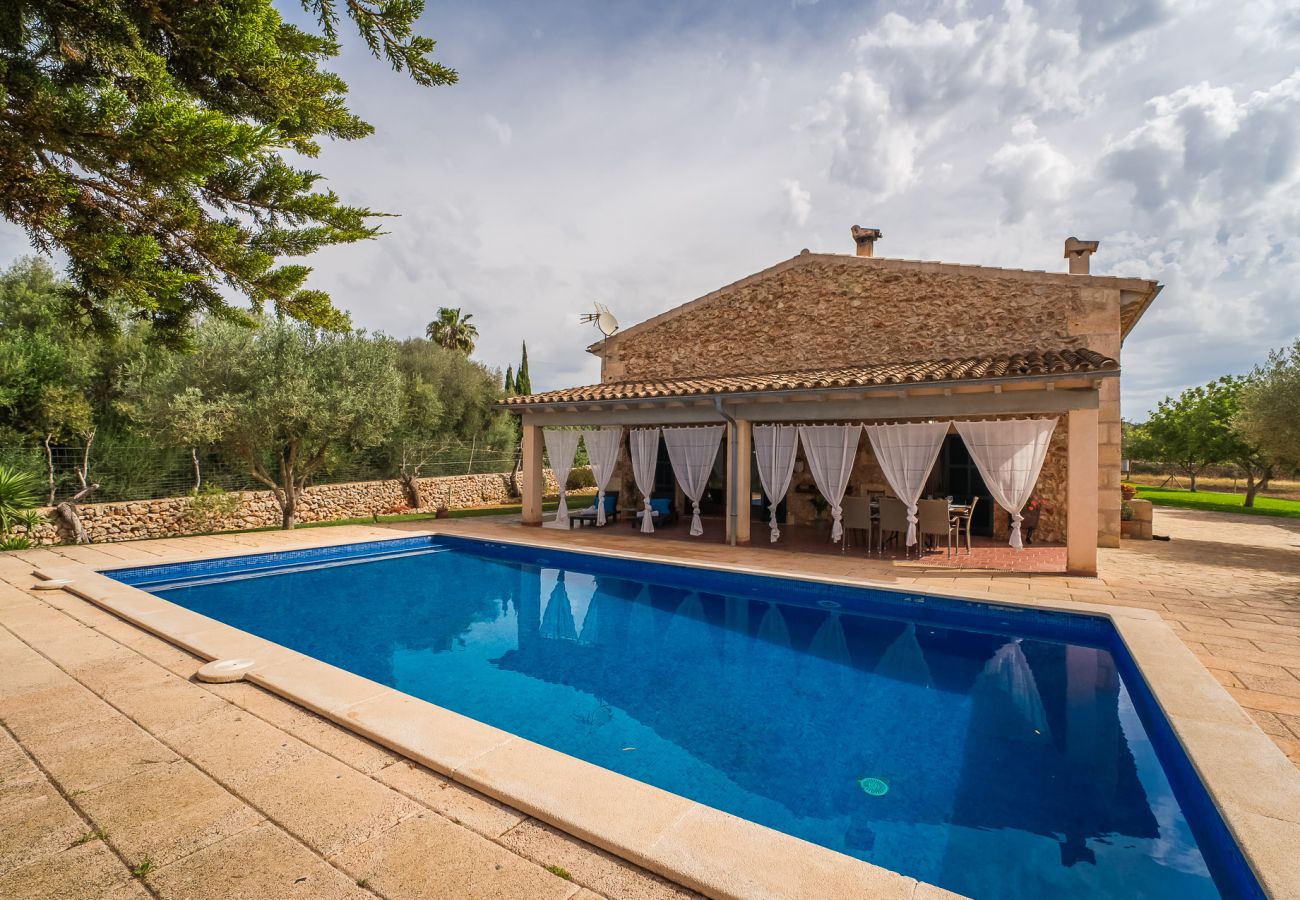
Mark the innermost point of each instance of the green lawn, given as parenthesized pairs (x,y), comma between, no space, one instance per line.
(1219,501)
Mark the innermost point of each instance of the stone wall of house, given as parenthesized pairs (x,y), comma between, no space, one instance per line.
(828,310)
(176,516)
(822,310)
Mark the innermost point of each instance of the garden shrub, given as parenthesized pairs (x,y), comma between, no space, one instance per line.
(580,479)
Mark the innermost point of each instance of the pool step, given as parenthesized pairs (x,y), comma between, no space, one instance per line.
(281,569)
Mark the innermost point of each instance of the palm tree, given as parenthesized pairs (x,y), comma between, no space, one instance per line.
(453,330)
(17,499)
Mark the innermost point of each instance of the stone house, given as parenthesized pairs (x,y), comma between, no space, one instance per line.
(857,337)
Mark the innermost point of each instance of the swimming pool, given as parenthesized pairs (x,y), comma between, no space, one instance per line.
(995,751)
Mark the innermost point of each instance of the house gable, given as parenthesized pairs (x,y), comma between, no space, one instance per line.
(825,310)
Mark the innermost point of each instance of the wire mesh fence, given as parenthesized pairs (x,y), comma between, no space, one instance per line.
(127,469)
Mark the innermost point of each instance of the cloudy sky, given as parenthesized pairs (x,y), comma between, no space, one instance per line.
(642,154)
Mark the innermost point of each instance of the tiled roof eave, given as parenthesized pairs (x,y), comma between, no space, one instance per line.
(753,386)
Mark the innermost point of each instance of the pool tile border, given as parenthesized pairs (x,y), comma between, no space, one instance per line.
(1254,787)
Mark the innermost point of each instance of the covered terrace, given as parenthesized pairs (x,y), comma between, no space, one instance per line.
(1028,422)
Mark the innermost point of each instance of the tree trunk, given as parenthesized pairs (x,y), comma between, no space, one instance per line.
(1253,486)
(1191,477)
(516,470)
(49,468)
(289,508)
(67,511)
(411,488)
(198,475)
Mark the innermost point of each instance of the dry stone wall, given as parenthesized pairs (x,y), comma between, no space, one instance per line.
(172,517)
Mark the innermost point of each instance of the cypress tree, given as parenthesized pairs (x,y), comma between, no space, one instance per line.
(510,382)
(523,384)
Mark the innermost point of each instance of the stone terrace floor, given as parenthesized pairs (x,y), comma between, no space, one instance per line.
(112,759)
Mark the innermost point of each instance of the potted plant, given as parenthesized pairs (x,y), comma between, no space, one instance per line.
(1029,517)
(819,505)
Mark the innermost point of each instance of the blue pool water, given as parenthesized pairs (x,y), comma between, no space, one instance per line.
(995,752)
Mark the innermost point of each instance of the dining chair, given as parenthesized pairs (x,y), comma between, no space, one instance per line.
(893,519)
(933,520)
(856,517)
(963,522)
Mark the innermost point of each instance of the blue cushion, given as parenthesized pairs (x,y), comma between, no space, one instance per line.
(611,504)
(661,505)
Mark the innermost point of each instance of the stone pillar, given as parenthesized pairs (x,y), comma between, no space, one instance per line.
(1109,437)
(1081,493)
(532,481)
(740,447)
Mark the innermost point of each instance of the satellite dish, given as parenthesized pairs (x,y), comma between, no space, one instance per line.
(603,319)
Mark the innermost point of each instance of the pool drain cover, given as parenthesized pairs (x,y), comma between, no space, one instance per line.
(876,787)
(224,671)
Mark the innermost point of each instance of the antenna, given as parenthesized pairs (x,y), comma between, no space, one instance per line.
(603,319)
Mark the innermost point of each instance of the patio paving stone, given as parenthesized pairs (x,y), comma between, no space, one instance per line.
(426,854)
(258,863)
(166,813)
(548,846)
(90,870)
(345,806)
(187,773)
(457,803)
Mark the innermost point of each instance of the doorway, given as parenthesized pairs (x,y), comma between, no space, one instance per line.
(960,479)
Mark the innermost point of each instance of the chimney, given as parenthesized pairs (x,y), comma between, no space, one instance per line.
(1077,252)
(866,239)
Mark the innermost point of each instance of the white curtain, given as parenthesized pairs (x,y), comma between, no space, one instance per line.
(645,453)
(774,448)
(1009,455)
(906,454)
(602,450)
(830,450)
(1010,671)
(557,619)
(692,451)
(560,447)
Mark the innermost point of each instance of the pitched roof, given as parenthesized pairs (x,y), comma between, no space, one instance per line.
(1136,293)
(1033,363)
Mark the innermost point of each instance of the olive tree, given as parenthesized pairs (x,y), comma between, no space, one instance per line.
(1268,412)
(1200,427)
(1193,430)
(289,397)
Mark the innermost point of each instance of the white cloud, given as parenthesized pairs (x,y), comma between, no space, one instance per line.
(1273,23)
(499,129)
(1030,173)
(797,200)
(920,81)
(869,148)
(1200,147)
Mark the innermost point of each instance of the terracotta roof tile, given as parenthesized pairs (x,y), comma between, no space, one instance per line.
(1014,365)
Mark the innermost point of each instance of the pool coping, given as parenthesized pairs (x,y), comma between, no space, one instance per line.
(1254,787)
